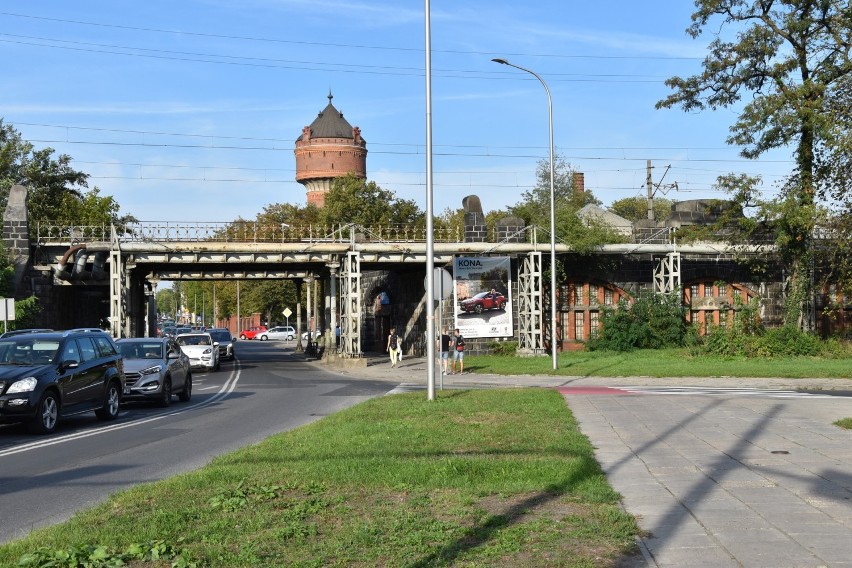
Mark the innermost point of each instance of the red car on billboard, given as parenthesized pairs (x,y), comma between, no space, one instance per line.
(484,301)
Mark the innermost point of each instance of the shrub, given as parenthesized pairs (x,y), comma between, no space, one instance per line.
(503,347)
(653,321)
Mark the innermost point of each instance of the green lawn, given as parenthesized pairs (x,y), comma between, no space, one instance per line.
(661,363)
(474,478)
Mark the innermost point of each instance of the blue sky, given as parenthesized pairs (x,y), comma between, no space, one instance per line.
(188,111)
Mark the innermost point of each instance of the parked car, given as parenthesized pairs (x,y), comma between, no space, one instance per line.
(155,368)
(316,333)
(47,376)
(225,340)
(484,301)
(202,351)
(23,331)
(279,333)
(251,332)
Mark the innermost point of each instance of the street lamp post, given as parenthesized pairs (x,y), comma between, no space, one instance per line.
(552,210)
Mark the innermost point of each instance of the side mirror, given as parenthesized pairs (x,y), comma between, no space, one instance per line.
(70,364)
(174,355)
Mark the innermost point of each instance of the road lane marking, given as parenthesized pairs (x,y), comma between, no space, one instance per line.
(226,389)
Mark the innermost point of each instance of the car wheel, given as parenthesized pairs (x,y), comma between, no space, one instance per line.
(47,415)
(166,393)
(112,401)
(263,337)
(243,336)
(478,308)
(501,306)
(289,338)
(186,393)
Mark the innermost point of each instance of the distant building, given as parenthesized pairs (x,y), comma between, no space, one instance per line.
(327,149)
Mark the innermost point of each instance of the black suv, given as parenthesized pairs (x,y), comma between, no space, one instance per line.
(45,376)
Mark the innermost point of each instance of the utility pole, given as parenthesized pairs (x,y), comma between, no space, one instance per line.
(649,183)
(652,188)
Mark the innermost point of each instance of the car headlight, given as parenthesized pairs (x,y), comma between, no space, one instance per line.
(24,385)
(208,351)
(151,370)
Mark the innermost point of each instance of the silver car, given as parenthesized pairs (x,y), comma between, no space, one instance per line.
(155,369)
(279,333)
(225,340)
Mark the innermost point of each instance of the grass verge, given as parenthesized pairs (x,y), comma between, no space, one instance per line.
(661,363)
(474,478)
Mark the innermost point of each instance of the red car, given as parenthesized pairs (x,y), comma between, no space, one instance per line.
(484,301)
(251,332)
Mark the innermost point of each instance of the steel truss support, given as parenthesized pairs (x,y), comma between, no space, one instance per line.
(350,328)
(531,304)
(117,290)
(667,274)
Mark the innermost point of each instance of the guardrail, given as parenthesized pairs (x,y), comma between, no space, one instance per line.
(237,232)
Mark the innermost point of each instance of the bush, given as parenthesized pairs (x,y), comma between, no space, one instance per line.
(787,341)
(653,321)
(503,347)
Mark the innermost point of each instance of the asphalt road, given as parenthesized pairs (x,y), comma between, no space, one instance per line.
(266,390)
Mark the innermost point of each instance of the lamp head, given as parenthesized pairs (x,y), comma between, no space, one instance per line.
(500,61)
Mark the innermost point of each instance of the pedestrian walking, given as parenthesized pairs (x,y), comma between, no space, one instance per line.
(457,344)
(443,345)
(393,346)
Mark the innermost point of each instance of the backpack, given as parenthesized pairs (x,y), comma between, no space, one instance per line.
(460,343)
(393,341)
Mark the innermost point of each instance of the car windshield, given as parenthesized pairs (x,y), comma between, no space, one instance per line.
(21,350)
(193,340)
(220,335)
(140,350)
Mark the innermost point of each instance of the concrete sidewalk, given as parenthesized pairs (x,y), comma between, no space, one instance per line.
(740,478)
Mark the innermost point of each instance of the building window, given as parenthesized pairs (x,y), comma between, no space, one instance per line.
(579,320)
(608,297)
(595,321)
(593,294)
(708,290)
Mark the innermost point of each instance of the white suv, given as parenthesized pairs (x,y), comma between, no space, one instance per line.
(279,333)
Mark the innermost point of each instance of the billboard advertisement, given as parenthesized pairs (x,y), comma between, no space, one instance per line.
(482,296)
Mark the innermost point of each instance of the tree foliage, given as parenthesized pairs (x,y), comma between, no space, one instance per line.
(56,191)
(636,208)
(790,63)
(356,200)
(534,208)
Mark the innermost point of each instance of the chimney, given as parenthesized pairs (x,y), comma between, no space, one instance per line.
(579,182)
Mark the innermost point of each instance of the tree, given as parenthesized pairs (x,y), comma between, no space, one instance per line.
(791,58)
(56,191)
(355,200)
(636,208)
(534,208)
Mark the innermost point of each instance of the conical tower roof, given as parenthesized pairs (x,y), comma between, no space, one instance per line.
(330,123)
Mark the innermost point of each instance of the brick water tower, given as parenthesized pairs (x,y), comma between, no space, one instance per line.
(327,149)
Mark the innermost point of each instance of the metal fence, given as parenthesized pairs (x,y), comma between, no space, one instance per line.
(238,232)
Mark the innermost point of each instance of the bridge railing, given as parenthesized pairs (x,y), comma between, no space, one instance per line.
(239,232)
